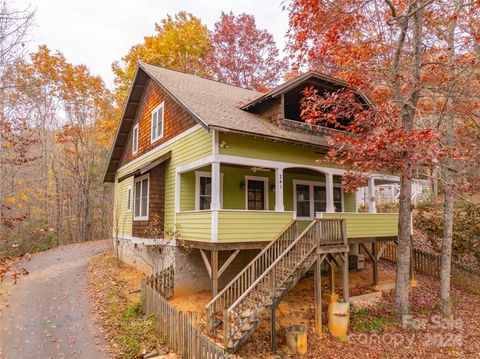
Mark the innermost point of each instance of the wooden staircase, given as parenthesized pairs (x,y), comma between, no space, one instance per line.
(250,297)
(240,284)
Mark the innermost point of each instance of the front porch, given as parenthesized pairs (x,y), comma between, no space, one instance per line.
(245,206)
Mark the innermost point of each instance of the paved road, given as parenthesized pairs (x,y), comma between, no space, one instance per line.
(49,313)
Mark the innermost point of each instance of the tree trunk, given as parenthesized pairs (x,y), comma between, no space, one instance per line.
(445,271)
(447,252)
(402,285)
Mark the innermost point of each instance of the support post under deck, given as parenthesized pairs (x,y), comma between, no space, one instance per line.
(318,294)
(345,279)
(375,263)
(214,266)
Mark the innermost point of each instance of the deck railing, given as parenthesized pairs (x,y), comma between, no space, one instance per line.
(332,232)
(249,274)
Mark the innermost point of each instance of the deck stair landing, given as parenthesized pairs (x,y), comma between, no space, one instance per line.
(270,276)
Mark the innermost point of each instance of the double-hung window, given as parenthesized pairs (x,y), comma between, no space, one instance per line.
(156,129)
(140,203)
(203,189)
(135,139)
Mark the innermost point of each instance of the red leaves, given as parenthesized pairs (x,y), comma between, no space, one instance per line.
(244,55)
(371,139)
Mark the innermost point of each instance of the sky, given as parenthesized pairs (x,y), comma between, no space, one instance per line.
(97,32)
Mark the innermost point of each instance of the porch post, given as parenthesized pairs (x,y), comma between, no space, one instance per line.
(279,190)
(329,190)
(215,205)
(372,203)
(215,186)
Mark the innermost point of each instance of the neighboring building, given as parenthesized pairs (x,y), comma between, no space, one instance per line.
(390,192)
(206,174)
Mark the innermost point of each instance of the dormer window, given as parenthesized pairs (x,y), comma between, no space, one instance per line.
(157,123)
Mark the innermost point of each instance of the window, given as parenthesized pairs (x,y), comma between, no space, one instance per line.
(129,198)
(157,123)
(135,139)
(319,199)
(141,198)
(256,193)
(311,197)
(203,190)
(303,200)
(205,195)
(337,199)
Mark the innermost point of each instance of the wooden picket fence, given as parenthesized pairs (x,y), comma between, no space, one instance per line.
(162,282)
(430,264)
(179,329)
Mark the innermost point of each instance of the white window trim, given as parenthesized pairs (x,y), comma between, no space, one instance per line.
(152,139)
(265,188)
(199,174)
(139,179)
(130,198)
(135,137)
(310,191)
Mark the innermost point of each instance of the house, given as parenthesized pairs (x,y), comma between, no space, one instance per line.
(223,184)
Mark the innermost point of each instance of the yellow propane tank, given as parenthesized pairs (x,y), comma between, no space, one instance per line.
(338,318)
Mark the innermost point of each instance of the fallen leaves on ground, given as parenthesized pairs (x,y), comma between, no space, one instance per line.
(114,291)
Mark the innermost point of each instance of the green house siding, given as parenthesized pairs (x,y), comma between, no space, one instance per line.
(195,226)
(247,146)
(251,226)
(363,225)
(193,146)
(234,195)
(349,202)
(122,218)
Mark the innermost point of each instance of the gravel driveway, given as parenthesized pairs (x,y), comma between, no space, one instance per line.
(48,314)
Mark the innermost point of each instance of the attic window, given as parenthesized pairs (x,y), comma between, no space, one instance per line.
(157,123)
(135,139)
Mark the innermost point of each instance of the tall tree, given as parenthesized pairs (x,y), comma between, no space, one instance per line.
(422,74)
(377,47)
(15,136)
(181,43)
(244,55)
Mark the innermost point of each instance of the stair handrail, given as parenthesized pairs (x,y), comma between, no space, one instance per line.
(261,262)
(227,328)
(317,236)
(285,252)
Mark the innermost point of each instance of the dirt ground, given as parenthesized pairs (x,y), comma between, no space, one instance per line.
(374,330)
(298,305)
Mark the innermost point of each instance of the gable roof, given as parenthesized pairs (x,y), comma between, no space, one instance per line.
(213,104)
(292,83)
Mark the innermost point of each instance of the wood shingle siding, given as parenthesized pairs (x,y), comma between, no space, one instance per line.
(190,147)
(154,226)
(176,121)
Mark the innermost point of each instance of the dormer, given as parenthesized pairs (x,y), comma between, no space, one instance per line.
(281,106)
